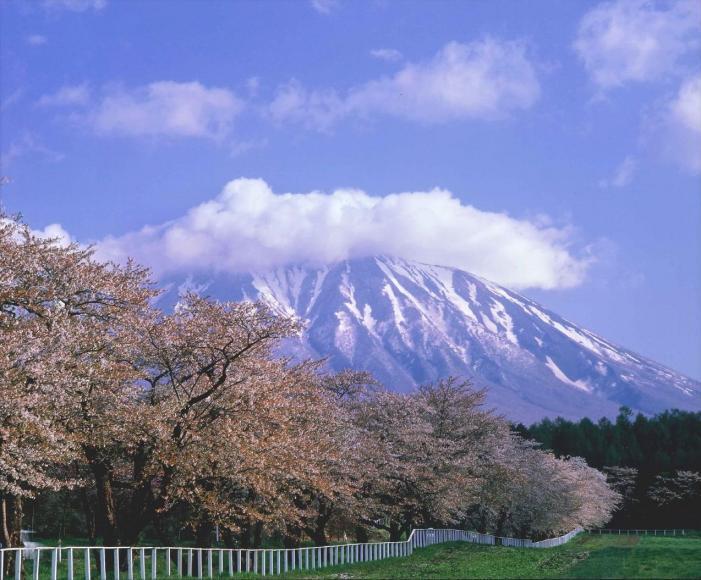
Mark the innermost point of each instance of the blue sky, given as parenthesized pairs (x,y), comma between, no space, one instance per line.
(552,146)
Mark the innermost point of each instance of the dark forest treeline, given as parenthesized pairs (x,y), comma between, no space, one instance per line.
(654,461)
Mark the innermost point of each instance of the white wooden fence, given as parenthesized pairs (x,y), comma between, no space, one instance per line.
(105,562)
(672,532)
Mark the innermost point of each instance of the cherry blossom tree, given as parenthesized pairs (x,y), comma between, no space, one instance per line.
(193,414)
(55,306)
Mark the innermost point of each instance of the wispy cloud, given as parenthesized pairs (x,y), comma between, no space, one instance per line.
(74,5)
(324,6)
(36,40)
(166,108)
(386,54)
(681,124)
(685,108)
(637,40)
(67,96)
(159,109)
(11,99)
(486,79)
(249,227)
(27,144)
(623,175)
(242,147)
(252,86)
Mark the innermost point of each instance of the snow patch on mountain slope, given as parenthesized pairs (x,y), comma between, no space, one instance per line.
(444,278)
(506,322)
(560,375)
(410,323)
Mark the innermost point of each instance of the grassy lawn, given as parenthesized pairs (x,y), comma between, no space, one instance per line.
(583,557)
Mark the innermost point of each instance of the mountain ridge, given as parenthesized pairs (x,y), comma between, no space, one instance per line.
(409,323)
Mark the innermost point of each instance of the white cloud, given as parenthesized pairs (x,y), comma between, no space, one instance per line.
(252,86)
(166,108)
(54,232)
(249,227)
(682,125)
(36,40)
(11,99)
(637,40)
(623,175)
(242,147)
(163,108)
(386,54)
(313,109)
(486,79)
(67,96)
(27,144)
(75,5)
(324,6)
(686,107)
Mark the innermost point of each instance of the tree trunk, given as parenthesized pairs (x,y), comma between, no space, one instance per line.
(290,541)
(11,520)
(89,515)
(318,531)
(245,535)
(141,500)
(395,532)
(482,526)
(203,539)
(10,526)
(257,534)
(501,522)
(106,507)
(292,536)
(361,535)
(203,535)
(229,539)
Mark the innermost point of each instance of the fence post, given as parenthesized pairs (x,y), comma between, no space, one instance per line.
(54,563)
(130,564)
(70,564)
(116,564)
(86,557)
(142,563)
(35,564)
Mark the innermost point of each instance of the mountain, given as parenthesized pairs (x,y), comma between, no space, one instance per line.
(410,323)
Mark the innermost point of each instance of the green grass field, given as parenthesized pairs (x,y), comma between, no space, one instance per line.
(584,557)
(587,556)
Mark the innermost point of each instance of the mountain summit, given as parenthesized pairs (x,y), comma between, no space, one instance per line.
(410,323)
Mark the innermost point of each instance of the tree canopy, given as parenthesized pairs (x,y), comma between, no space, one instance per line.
(171,422)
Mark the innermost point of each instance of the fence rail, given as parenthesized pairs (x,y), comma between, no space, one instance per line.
(622,532)
(105,562)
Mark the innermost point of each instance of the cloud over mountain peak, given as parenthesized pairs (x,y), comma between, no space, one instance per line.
(248,226)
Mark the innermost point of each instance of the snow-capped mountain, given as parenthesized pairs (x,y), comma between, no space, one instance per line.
(410,323)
